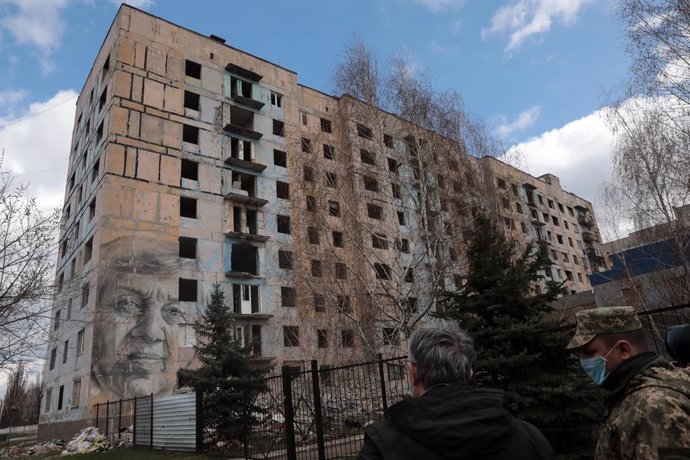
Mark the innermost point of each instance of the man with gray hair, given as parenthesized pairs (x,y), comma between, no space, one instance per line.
(448,417)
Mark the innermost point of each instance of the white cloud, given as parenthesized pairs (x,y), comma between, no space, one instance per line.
(441,5)
(526,18)
(579,153)
(437,48)
(37,144)
(141,4)
(9,99)
(523,121)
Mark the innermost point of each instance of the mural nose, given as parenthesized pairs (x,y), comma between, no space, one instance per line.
(150,327)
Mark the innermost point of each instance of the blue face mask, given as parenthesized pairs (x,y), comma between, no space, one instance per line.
(595,367)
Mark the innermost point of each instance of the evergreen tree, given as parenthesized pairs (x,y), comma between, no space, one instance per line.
(520,347)
(229,383)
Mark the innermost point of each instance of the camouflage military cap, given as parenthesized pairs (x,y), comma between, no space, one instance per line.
(607,320)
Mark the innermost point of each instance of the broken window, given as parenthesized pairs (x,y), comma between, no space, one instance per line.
(94,170)
(306,145)
(80,342)
(328,152)
(379,241)
(550,203)
(99,133)
(348,338)
(313,234)
(187,247)
(283,224)
(53,358)
(287,296)
(187,207)
(189,169)
(395,190)
(393,165)
(316,269)
(322,338)
(61,396)
(334,208)
(326,126)
(276,100)
(383,271)
(308,174)
(343,304)
(88,250)
(303,118)
(331,179)
(240,87)
(367,157)
(241,149)
(364,131)
(374,211)
(501,184)
(390,336)
(244,181)
(101,100)
(338,239)
(340,271)
(311,204)
(285,259)
(187,290)
(371,184)
(192,69)
(560,239)
(191,100)
(279,158)
(283,190)
(190,134)
(404,245)
(278,128)
(319,303)
(85,290)
(401,218)
(291,336)
(242,118)
(388,141)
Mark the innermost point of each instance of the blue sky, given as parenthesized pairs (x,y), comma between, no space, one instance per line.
(537,71)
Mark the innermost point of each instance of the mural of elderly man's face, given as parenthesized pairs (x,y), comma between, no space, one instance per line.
(137,321)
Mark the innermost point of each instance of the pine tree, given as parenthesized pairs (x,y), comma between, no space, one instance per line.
(229,383)
(520,348)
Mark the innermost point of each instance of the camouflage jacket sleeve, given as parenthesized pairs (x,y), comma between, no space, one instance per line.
(647,420)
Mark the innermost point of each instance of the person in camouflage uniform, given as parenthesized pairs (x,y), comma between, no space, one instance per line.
(648,399)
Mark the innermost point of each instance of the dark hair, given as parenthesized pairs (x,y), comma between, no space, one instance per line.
(441,352)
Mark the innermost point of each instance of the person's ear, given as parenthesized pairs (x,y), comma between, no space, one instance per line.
(625,349)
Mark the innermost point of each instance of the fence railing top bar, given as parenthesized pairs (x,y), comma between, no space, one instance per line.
(117,401)
(338,368)
(664,309)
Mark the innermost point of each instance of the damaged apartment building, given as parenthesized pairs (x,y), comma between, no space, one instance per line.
(330,224)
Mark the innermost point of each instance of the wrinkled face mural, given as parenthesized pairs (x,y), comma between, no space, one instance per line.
(138,319)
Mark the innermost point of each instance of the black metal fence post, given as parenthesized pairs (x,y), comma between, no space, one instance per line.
(119,420)
(97,407)
(107,417)
(318,417)
(199,421)
(289,415)
(134,431)
(151,424)
(382,378)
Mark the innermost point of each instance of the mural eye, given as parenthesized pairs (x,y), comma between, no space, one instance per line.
(128,304)
(172,313)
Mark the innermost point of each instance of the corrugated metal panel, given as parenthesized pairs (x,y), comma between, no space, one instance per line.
(174,422)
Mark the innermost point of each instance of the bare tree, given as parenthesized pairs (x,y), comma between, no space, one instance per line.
(27,236)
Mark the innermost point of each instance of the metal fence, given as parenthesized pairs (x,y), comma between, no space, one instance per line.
(657,322)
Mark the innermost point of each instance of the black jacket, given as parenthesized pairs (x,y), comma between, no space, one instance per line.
(454,421)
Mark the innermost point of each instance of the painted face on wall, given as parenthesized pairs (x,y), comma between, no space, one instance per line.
(137,323)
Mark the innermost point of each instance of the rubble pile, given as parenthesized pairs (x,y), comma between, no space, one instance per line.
(37,449)
(126,438)
(88,440)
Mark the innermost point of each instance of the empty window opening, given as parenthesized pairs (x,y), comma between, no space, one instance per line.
(101,100)
(340,271)
(319,302)
(240,87)
(192,69)
(364,131)
(316,269)
(187,247)
(283,190)
(61,397)
(404,245)
(65,351)
(287,296)
(395,190)
(190,134)
(379,241)
(343,304)
(106,65)
(338,241)
(99,133)
(191,100)
(94,170)
(187,290)
(291,336)
(326,126)
(401,218)
(88,250)
(187,207)
(331,179)
(244,259)
(371,184)
(390,336)
(328,152)
(283,224)
(308,174)
(383,271)
(409,275)
(285,259)
(53,358)
(313,234)
(278,128)
(348,338)
(393,165)
(334,208)
(322,338)
(374,211)
(244,181)
(242,118)
(367,157)
(80,342)
(85,290)
(189,169)
(56,324)
(280,158)
(303,118)
(388,141)
(306,145)
(311,204)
